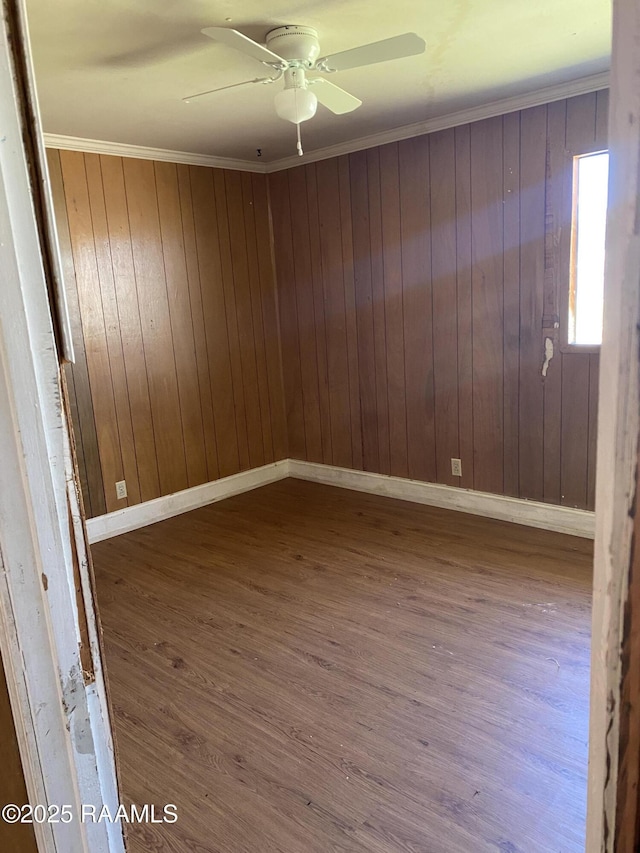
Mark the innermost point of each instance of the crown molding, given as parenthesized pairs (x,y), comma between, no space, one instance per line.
(582,86)
(142,152)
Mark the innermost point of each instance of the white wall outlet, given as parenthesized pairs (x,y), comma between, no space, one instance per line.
(121,489)
(456,467)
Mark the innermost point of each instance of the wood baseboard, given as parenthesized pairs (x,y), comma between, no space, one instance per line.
(133,517)
(562,519)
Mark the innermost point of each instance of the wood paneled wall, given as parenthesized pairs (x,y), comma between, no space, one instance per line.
(169,273)
(417,283)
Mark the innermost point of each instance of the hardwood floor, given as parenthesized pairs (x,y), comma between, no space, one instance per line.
(303,669)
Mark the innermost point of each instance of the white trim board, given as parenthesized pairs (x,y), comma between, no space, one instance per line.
(143,152)
(562,519)
(158,509)
(581,86)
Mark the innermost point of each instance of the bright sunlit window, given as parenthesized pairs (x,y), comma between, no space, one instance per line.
(590,179)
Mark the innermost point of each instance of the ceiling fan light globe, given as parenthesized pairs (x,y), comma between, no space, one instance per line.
(296,105)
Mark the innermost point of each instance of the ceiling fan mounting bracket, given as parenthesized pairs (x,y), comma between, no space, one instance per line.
(297,45)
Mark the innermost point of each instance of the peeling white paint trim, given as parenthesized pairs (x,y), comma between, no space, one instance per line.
(562,519)
(547,516)
(548,355)
(39,630)
(149,512)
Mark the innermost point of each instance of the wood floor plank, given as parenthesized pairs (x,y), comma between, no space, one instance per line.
(303,668)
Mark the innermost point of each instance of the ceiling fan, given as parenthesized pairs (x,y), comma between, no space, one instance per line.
(293,51)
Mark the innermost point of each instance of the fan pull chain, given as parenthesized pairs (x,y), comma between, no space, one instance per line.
(299,145)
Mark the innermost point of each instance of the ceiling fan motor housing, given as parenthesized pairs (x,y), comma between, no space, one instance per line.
(295,44)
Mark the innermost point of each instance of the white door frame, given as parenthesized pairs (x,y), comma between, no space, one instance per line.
(60,710)
(618,432)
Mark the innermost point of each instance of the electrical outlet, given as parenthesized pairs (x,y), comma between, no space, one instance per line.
(456,467)
(121,489)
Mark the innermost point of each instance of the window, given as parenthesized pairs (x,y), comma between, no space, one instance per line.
(590,178)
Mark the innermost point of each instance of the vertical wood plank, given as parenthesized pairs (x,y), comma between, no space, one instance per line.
(377,290)
(511,300)
(580,137)
(93,327)
(285,270)
(244,315)
(443,276)
(260,350)
(364,308)
(120,239)
(350,310)
(487,284)
(77,440)
(306,328)
(215,319)
(581,123)
(333,284)
(556,277)
(266,265)
(465,303)
(194,294)
(82,413)
(231,313)
(112,330)
(575,429)
(533,146)
(393,308)
(320,313)
(175,265)
(142,204)
(418,307)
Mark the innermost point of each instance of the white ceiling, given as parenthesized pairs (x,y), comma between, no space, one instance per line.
(116,70)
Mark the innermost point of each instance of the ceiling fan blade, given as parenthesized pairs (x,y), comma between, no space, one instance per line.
(333,97)
(245,45)
(397,47)
(232,86)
